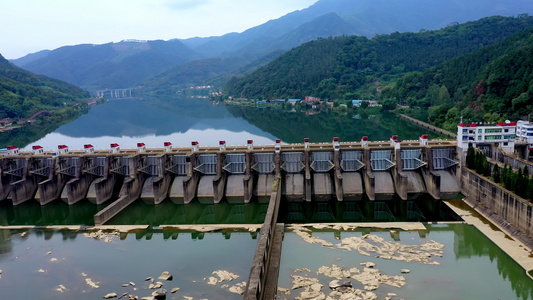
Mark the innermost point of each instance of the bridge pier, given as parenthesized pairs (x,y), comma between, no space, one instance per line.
(190,183)
(219,183)
(400,179)
(161,186)
(431,178)
(368,177)
(130,191)
(248,181)
(308,180)
(77,188)
(337,176)
(25,188)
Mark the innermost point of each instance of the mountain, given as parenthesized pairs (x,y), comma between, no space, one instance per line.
(364,17)
(492,84)
(357,67)
(23,94)
(112,65)
(125,64)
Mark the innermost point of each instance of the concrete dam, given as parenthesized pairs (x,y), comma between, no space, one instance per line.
(308,172)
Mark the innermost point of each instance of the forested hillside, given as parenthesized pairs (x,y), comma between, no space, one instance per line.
(22,94)
(357,67)
(488,85)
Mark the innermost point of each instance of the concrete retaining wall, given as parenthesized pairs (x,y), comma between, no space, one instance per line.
(503,207)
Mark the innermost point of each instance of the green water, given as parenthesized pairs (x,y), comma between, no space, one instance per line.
(322,127)
(168,213)
(472,267)
(190,258)
(423,209)
(54,213)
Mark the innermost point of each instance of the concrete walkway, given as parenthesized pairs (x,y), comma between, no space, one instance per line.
(514,248)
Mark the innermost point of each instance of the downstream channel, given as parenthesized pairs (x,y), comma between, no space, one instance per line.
(58,263)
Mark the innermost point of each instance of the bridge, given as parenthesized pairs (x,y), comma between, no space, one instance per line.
(115,93)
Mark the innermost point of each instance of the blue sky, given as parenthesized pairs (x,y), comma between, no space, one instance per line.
(28,26)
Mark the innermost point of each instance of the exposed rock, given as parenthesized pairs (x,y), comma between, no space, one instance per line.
(41,271)
(335,271)
(212,281)
(149,278)
(302,270)
(125,285)
(53,259)
(368,264)
(156,285)
(222,276)
(284,291)
(159,294)
(175,290)
(107,237)
(239,288)
(61,288)
(188,298)
(302,282)
(406,271)
(84,274)
(92,283)
(165,276)
(339,283)
(49,252)
(110,295)
(132,283)
(306,236)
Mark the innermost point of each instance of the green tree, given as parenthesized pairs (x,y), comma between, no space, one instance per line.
(388,104)
(470,156)
(496,173)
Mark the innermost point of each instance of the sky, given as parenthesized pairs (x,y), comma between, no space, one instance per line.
(28,26)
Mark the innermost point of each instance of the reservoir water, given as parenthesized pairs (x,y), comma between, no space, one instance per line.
(42,263)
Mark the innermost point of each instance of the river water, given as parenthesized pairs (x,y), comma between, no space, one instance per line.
(53,264)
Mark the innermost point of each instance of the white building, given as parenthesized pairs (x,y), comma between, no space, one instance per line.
(524,132)
(503,134)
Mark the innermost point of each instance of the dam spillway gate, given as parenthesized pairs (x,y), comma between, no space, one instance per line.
(306,177)
(309,172)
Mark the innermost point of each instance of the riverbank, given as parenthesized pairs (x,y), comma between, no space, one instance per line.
(428,126)
(518,251)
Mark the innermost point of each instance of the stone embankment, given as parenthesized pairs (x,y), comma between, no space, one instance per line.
(429,126)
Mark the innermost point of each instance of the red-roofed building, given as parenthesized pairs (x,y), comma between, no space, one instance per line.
(502,133)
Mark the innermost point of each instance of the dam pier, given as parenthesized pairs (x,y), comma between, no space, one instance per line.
(308,172)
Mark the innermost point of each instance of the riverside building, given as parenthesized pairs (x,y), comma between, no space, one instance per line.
(503,134)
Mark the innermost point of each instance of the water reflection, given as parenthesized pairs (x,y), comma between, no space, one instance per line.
(424,209)
(54,213)
(154,121)
(30,271)
(293,127)
(193,213)
(472,266)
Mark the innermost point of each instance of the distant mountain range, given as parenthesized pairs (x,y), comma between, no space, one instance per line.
(126,64)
